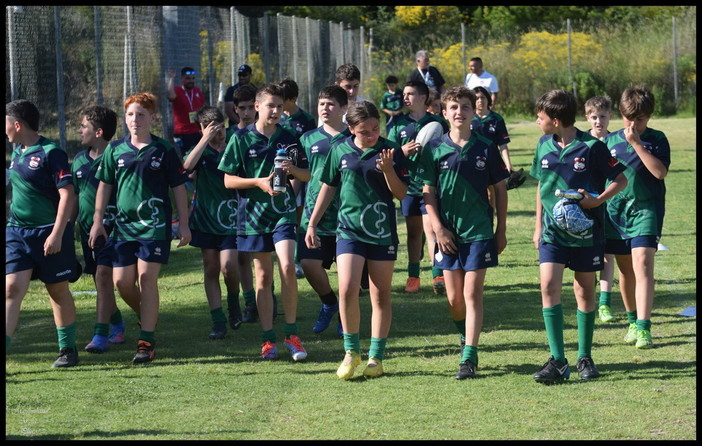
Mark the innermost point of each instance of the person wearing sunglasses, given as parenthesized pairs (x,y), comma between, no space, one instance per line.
(245,73)
(186,99)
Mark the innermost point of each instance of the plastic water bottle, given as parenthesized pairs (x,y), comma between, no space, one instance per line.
(279,175)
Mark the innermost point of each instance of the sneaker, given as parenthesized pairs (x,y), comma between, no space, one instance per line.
(250,313)
(294,345)
(68,357)
(99,344)
(269,350)
(553,371)
(412,285)
(606,314)
(219,329)
(299,273)
(374,368)
(145,352)
(235,318)
(643,339)
(631,335)
(438,285)
(349,364)
(586,368)
(325,317)
(116,333)
(466,370)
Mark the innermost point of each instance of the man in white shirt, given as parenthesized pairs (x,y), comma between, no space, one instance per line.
(481,78)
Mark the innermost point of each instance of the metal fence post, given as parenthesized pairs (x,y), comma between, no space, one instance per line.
(59,78)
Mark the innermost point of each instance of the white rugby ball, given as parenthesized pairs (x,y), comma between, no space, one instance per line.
(430,131)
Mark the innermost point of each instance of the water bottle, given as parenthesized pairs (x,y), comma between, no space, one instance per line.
(279,175)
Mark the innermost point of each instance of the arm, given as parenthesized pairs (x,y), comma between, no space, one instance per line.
(170,88)
(538,227)
(501,208)
(67,199)
(181,200)
(237,182)
(102,197)
(445,239)
(397,187)
(208,133)
(614,188)
(504,151)
(300,173)
(653,164)
(326,195)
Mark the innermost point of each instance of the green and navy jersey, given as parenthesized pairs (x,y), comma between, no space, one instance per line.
(392,101)
(250,154)
(640,207)
(36,175)
(461,176)
(300,122)
(492,127)
(317,144)
(85,184)
(404,130)
(584,164)
(142,178)
(367,208)
(215,207)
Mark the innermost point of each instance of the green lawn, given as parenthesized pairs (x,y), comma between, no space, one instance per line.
(198,389)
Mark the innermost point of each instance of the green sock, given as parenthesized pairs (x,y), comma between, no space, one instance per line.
(250,297)
(553,320)
(269,335)
(643,324)
(101,329)
(605,298)
(436,272)
(290,329)
(352,341)
(218,315)
(413,269)
(470,352)
(7,342)
(377,348)
(67,336)
(148,336)
(586,328)
(233,301)
(631,316)
(116,317)
(461,326)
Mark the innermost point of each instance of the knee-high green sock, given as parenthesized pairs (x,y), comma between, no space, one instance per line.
(605,298)
(377,348)
(67,336)
(148,336)
(413,269)
(101,329)
(269,335)
(586,328)
(553,320)
(233,301)
(461,326)
(352,341)
(436,272)
(250,297)
(290,329)
(470,352)
(631,316)
(116,317)
(643,324)
(217,315)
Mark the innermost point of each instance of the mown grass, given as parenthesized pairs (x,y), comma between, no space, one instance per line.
(199,389)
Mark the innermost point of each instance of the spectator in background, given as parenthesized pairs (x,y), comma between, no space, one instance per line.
(392,101)
(481,78)
(186,100)
(244,74)
(426,73)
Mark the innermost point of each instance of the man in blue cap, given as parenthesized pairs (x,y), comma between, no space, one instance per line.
(244,73)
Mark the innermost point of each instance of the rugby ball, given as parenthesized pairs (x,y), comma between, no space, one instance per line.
(430,131)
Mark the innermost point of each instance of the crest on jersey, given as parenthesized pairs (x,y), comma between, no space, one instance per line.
(34,162)
(579,164)
(155,163)
(480,162)
(150,213)
(372,219)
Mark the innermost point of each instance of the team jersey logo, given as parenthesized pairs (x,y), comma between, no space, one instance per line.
(120,163)
(491,129)
(34,162)
(298,127)
(372,219)
(150,211)
(596,260)
(613,152)
(444,165)
(226,213)
(480,162)
(314,149)
(155,163)
(289,204)
(544,163)
(344,164)
(253,153)
(488,257)
(79,174)
(579,164)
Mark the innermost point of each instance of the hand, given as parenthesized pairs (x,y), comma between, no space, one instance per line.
(171,73)
(211,130)
(265,185)
(384,162)
(536,238)
(52,244)
(184,235)
(445,241)
(311,238)
(632,136)
(96,231)
(411,148)
(588,201)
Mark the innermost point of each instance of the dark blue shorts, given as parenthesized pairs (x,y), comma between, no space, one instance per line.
(24,249)
(470,256)
(205,240)
(412,205)
(623,247)
(92,259)
(266,242)
(581,259)
(127,252)
(327,253)
(367,250)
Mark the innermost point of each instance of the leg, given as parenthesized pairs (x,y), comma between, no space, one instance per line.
(211,266)
(642,259)
(285,251)
(124,278)
(414,251)
(437,276)
(263,267)
(229,265)
(16,286)
(380,272)
(584,288)
(455,282)
(627,281)
(349,267)
(64,310)
(148,284)
(473,292)
(105,308)
(606,278)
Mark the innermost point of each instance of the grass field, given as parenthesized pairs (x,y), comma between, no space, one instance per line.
(198,389)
